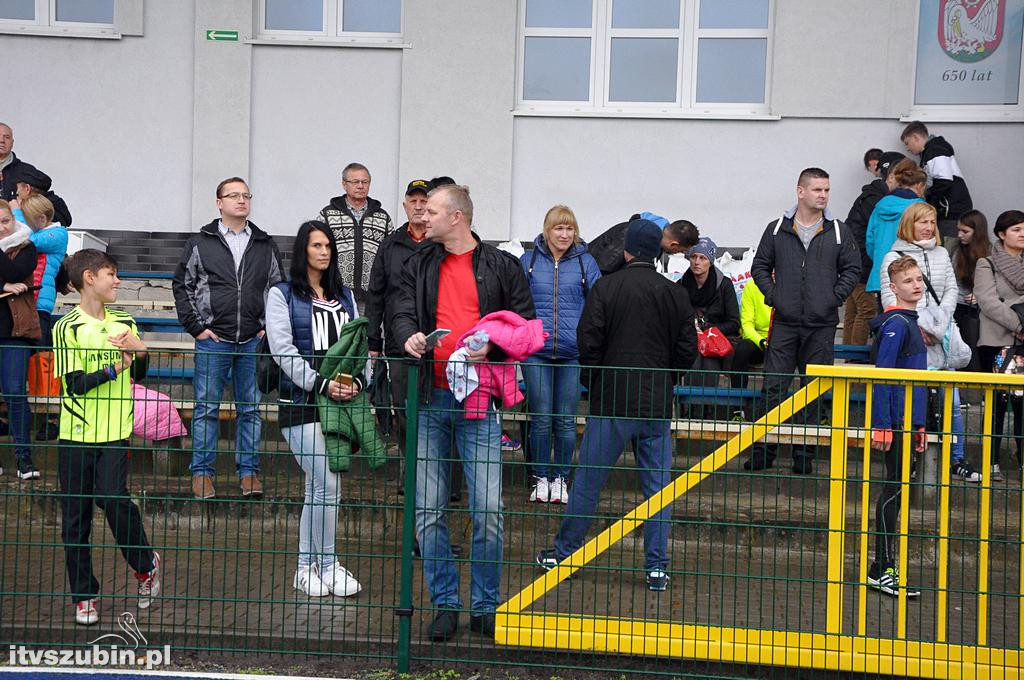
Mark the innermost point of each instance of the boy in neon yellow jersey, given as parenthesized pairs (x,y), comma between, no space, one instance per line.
(95,350)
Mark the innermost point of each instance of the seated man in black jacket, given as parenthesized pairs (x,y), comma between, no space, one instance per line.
(633,319)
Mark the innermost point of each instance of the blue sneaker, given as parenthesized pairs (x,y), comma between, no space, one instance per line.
(510,444)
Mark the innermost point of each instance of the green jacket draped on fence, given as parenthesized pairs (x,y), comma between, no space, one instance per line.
(349,422)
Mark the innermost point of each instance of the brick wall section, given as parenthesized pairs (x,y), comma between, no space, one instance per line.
(157,251)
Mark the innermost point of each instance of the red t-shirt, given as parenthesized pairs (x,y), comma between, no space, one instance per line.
(458,308)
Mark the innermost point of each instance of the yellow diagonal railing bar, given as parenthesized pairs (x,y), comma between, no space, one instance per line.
(831,650)
(659,501)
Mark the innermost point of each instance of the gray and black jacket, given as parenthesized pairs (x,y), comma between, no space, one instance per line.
(357,241)
(811,283)
(209,293)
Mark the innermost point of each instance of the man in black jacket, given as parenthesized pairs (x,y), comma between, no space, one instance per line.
(633,319)
(452,283)
(677,237)
(948,190)
(9,163)
(220,289)
(815,264)
(862,306)
(29,180)
(359,225)
(382,296)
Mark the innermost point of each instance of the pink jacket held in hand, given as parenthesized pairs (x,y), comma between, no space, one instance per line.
(518,338)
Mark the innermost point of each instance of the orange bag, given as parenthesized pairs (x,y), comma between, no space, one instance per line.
(41,382)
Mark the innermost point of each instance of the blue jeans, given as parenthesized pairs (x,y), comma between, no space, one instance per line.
(214,361)
(14,353)
(441,423)
(957,450)
(603,442)
(553,394)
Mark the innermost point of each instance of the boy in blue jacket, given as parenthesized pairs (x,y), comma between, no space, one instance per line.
(899,345)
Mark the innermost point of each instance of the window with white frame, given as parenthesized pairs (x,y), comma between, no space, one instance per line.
(969,55)
(660,57)
(330,20)
(58,16)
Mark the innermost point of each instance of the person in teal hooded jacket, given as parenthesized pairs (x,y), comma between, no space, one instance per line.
(906,182)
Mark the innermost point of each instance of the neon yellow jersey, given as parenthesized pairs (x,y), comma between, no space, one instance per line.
(81,343)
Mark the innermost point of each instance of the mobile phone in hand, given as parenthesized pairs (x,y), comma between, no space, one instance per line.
(345,379)
(434,339)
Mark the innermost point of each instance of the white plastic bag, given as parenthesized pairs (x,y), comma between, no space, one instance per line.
(738,271)
(512,248)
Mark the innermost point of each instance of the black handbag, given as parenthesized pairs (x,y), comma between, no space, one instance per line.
(268,373)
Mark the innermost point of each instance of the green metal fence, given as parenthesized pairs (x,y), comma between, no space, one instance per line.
(744,549)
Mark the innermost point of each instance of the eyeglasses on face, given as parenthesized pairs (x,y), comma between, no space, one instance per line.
(357,182)
(237,195)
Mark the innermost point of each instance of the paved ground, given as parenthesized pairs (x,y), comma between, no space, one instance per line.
(746,551)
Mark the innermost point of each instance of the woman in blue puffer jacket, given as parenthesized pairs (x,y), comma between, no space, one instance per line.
(560,272)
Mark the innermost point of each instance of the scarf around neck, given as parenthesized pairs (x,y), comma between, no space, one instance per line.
(703,297)
(1009,266)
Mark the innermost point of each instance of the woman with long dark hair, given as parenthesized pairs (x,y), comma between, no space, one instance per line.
(304,319)
(999,286)
(973,245)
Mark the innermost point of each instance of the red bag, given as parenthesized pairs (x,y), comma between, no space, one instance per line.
(713,343)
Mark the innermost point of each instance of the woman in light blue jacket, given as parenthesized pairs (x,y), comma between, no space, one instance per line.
(560,272)
(906,183)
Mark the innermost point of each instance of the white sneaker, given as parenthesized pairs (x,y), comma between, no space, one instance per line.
(559,492)
(308,581)
(85,612)
(149,584)
(541,491)
(997,474)
(341,581)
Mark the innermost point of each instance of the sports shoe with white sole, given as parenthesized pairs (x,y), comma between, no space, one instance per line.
(997,474)
(541,491)
(966,472)
(888,583)
(85,612)
(307,580)
(657,580)
(559,491)
(149,584)
(341,581)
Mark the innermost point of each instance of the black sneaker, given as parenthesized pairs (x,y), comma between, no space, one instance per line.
(966,472)
(888,583)
(48,431)
(446,624)
(484,623)
(756,462)
(803,466)
(547,559)
(657,580)
(26,470)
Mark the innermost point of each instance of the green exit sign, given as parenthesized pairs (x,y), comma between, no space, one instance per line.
(226,36)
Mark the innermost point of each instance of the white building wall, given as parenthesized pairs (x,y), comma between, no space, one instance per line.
(109,120)
(142,128)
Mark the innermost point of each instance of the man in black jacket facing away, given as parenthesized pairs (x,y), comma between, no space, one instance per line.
(947,190)
(220,291)
(633,319)
(816,265)
(452,283)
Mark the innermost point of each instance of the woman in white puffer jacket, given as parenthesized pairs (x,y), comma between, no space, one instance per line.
(918,237)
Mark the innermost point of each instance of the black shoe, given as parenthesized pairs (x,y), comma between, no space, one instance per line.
(803,466)
(416,547)
(26,470)
(446,624)
(547,559)
(484,623)
(48,431)
(5,427)
(758,463)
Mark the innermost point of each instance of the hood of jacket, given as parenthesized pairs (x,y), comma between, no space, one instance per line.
(876,188)
(515,335)
(879,320)
(792,211)
(18,237)
(938,146)
(909,248)
(891,207)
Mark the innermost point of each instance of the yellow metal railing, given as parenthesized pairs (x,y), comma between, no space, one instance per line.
(835,648)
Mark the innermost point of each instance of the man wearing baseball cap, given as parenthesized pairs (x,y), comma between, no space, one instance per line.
(634,319)
(385,273)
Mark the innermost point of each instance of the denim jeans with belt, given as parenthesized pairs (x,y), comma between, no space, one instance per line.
(214,362)
(553,396)
(442,423)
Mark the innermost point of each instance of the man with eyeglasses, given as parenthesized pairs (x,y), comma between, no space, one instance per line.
(226,257)
(359,225)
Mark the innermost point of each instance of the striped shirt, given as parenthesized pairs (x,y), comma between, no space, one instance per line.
(237,241)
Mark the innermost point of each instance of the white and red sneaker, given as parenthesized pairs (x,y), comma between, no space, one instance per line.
(149,584)
(85,612)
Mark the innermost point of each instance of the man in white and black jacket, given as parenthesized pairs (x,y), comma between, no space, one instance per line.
(816,265)
(947,190)
(220,291)
(359,225)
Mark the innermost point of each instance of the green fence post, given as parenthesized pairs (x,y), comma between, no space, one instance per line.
(404,611)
